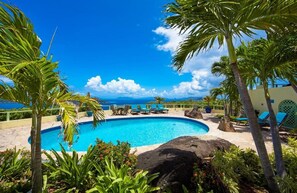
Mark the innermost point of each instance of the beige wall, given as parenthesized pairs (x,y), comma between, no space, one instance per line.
(27,122)
(276,94)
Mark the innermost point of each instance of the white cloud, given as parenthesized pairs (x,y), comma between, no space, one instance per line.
(202,81)
(173,39)
(200,84)
(203,60)
(119,86)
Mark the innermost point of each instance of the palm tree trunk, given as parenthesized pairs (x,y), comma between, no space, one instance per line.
(279,161)
(294,87)
(230,108)
(33,136)
(252,118)
(36,164)
(225,108)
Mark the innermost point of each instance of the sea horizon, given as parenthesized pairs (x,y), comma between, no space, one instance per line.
(7,105)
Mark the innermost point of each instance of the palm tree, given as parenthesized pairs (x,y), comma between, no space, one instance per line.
(220,20)
(286,42)
(222,68)
(220,91)
(36,83)
(159,99)
(262,60)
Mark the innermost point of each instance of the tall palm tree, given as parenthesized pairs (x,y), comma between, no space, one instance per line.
(287,45)
(159,99)
(221,21)
(222,68)
(261,61)
(36,83)
(220,91)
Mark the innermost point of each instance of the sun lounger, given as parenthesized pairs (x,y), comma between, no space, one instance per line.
(262,119)
(144,109)
(280,118)
(162,109)
(154,108)
(134,109)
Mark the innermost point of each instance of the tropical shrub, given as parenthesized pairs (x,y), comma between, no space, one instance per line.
(69,172)
(15,171)
(119,153)
(207,179)
(111,179)
(238,166)
(288,183)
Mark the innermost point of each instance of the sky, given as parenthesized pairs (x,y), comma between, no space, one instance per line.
(119,48)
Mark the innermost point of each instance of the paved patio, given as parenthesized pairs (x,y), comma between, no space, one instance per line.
(18,137)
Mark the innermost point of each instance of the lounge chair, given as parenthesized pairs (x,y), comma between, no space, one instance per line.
(280,118)
(262,119)
(162,109)
(143,109)
(134,109)
(154,108)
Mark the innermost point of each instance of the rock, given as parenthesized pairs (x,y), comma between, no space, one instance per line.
(174,160)
(195,113)
(226,125)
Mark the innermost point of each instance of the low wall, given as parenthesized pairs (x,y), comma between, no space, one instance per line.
(46,119)
(27,122)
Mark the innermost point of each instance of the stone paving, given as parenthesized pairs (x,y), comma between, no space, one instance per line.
(18,137)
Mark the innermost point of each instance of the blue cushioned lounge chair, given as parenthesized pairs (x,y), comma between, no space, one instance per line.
(162,109)
(143,109)
(134,109)
(154,108)
(262,119)
(280,118)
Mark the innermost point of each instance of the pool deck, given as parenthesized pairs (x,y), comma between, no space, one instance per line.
(18,136)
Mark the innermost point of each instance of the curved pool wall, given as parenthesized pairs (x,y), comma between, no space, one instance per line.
(138,131)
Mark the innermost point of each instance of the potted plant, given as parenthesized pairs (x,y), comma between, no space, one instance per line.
(208,99)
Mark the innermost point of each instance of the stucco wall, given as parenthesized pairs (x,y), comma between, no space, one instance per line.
(276,94)
(27,122)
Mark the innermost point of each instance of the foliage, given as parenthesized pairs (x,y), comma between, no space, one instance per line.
(15,171)
(288,183)
(238,166)
(207,179)
(120,153)
(25,114)
(69,173)
(112,179)
(205,23)
(36,82)
(159,99)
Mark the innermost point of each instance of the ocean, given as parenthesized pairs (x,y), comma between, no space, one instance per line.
(6,105)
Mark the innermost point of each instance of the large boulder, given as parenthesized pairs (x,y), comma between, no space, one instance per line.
(226,125)
(194,113)
(174,160)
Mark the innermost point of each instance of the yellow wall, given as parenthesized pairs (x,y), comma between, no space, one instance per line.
(27,122)
(276,94)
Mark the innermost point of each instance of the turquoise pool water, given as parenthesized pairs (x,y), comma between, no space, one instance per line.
(138,131)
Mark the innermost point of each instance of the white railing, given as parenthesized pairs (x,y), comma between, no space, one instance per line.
(107,107)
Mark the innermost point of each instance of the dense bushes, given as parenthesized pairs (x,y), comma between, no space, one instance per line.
(111,168)
(288,183)
(105,167)
(15,171)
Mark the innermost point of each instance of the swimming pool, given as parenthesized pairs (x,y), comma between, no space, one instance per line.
(140,131)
